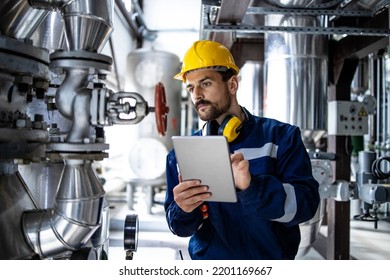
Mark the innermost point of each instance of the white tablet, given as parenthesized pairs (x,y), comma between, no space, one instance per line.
(206,158)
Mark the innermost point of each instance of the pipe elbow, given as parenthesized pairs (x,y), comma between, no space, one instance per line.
(75,81)
(75,217)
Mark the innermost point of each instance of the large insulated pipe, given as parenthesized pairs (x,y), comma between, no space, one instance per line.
(76,214)
(296,73)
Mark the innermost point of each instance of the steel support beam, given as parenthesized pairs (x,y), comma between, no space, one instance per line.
(338,212)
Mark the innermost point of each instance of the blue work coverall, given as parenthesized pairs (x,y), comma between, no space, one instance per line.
(264,222)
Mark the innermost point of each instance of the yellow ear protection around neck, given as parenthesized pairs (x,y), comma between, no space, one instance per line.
(230,128)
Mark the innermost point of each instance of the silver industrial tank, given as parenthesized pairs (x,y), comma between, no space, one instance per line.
(146,68)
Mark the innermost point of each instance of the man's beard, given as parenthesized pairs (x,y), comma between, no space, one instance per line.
(213,111)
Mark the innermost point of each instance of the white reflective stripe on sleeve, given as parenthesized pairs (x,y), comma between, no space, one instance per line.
(169,218)
(269,149)
(290,205)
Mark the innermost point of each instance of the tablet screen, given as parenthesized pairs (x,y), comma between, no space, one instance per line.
(207,158)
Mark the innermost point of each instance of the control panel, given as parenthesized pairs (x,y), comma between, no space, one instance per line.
(347,118)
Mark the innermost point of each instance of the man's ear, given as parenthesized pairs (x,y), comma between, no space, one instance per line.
(233,84)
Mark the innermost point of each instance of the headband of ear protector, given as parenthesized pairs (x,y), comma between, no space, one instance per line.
(230,128)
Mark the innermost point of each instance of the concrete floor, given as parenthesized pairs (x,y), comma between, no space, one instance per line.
(156,242)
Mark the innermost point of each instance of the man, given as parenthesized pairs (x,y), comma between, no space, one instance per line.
(272,172)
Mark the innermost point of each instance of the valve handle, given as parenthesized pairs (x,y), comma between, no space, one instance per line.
(161,109)
(115,106)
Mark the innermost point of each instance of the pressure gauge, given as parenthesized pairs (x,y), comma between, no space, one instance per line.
(130,237)
(322,171)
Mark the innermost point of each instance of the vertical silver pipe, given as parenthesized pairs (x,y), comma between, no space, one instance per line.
(379,114)
(386,112)
(296,74)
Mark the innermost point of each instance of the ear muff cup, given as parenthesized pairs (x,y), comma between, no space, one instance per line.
(230,128)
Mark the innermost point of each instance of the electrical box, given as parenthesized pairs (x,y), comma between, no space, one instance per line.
(347,118)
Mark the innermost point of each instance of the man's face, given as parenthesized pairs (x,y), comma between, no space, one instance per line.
(210,95)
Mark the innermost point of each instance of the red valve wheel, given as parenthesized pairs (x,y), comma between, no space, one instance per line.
(161,109)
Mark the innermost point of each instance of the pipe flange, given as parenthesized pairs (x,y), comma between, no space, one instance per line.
(78,59)
(92,151)
(77,147)
(58,157)
(17,57)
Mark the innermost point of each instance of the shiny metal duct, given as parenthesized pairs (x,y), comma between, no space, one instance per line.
(18,19)
(76,214)
(50,34)
(42,180)
(296,75)
(14,199)
(88,23)
(100,239)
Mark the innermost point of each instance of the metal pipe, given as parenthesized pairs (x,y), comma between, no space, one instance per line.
(18,19)
(76,79)
(378,94)
(76,214)
(79,131)
(133,30)
(291,57)
(49,4)
(88,23)
(386,115)
(139,16)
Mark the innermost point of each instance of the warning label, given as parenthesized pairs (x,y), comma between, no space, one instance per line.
(362,112)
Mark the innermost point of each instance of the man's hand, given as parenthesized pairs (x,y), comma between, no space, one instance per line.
(190,194)
(240,167)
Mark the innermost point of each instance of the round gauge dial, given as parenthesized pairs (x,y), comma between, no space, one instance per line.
(322,172)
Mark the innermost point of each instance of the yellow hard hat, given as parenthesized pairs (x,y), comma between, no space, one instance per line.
(204,54)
